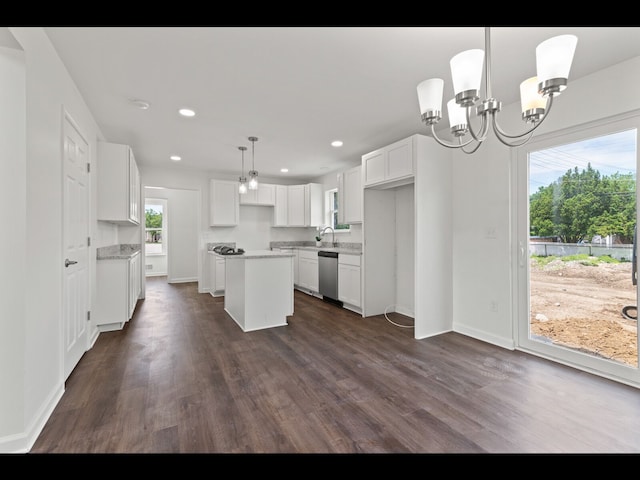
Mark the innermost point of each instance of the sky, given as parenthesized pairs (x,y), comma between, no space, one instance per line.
(608,154)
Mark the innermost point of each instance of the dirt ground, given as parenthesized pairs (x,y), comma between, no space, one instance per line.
(580,307)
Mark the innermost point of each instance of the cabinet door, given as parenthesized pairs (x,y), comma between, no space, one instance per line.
(134,189)
(374,167)
(250,197)
(351,205)
(308,273)
(266,194)
(220,274)
(399,162)
(296,262)
(296,205)
(281,207)
(133,282)
(212,272)
(349,284)
(223,203)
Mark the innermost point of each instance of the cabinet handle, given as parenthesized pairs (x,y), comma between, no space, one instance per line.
(68,262)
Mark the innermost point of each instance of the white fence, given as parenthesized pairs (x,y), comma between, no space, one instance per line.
(621,252)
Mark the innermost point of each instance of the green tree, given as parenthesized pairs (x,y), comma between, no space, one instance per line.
(581,204)
(153,219)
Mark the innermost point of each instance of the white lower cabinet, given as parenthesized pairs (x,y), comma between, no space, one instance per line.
(349,291)
(216,275)
(220,273)
(118,286)
(308,270)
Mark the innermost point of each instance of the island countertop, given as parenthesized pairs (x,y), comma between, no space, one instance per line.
(252,254)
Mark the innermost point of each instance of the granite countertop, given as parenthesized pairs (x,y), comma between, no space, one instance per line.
(118,252)
(251,254)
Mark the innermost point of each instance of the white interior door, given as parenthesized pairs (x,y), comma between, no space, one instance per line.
(76,201)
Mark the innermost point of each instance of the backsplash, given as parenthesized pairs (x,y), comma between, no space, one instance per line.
(307,243)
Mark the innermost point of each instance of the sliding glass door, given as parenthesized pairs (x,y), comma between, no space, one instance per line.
(576,264)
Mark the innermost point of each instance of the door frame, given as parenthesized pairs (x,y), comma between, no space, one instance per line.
(67,118)
(520,238)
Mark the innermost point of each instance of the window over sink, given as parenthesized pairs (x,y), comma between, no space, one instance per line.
(331,212)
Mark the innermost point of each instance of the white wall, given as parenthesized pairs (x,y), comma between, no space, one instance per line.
(34,376)
(13,238)
(482,200)
(405,250)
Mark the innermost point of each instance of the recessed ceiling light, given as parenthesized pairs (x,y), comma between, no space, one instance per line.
(336,143)
(186,112)
(284,170)
(175,158)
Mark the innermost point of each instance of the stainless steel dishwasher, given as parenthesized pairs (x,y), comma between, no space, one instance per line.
(328,276)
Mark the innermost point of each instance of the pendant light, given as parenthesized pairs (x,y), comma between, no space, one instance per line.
(242,188)
(253,174)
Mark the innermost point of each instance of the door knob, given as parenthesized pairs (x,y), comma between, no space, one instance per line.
(68,262)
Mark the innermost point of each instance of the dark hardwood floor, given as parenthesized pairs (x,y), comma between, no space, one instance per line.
(182,377)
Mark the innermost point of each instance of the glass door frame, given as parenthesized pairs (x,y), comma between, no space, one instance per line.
(520,248)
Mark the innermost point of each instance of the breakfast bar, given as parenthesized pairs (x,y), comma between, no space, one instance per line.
(259,288)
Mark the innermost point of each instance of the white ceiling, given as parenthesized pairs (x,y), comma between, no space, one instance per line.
(295,88)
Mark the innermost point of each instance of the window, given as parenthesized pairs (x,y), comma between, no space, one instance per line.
(155,227)
(331,211)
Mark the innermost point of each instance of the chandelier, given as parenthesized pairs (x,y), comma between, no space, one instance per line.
(553,62)
(242,188)
(253,174)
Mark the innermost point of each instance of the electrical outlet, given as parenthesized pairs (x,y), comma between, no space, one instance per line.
(149,266)
(490,233)
(493,306)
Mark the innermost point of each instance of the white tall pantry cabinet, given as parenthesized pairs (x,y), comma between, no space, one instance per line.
(407,233)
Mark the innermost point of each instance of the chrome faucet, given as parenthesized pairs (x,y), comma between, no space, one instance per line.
(333,235)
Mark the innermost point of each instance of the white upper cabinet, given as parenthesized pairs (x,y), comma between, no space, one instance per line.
(223,203)
(118,184)
(388,166)
(350,196)
(264,195)
(298,205)
(281,207)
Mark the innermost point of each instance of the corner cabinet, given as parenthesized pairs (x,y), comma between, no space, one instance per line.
(119,188)
(390,166)
(223,203)
(350,196)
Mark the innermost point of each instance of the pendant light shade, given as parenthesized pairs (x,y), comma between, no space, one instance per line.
(253,174)
(242,187)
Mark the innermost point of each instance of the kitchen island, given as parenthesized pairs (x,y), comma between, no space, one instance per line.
(259,288)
